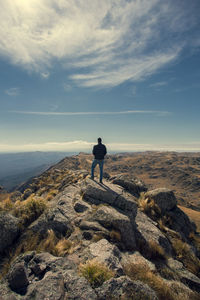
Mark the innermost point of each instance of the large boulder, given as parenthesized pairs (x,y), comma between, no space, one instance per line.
(180,222)
(110,218)
(124,288)
(129,183)
(163,197)
(9,230)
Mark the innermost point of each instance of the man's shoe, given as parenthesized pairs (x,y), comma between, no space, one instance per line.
(100,181)
(92,178)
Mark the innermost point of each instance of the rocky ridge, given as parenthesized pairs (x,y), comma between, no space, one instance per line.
(70,237)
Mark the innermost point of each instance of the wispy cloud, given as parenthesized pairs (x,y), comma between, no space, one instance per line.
(14,91)
(159,84)
(100,43)
(45,75)
(86,113)
(80,145)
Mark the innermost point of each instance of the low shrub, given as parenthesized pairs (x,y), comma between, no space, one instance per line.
(95,272)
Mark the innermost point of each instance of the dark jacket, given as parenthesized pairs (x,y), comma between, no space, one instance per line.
(99,151)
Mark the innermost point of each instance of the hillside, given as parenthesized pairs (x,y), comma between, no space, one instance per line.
(65,236)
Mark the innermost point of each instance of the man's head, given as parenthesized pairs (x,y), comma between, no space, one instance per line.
(99,140)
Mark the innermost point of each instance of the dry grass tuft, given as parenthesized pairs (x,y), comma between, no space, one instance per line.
(156,251)
(151,250)
(186,256)
(64,247)
(115,236)
(97,237)
(29,210)
(35,242)
(6,204)
(143,273)
(149,207)
(95,272)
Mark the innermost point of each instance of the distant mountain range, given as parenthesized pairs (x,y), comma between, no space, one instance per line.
(16,168)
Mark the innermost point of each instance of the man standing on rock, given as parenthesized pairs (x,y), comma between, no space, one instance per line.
(99,151)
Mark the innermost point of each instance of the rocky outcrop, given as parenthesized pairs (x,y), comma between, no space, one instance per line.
(9,230)
(101,223)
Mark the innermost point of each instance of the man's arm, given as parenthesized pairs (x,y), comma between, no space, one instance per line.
(93,151)
(105,150)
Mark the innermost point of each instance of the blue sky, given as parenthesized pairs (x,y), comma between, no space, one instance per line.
(71,71)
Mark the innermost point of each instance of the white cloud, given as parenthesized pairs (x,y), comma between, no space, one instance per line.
(12,91)
(102,43)
(80,145)
(86,113)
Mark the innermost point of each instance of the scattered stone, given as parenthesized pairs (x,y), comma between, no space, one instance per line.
(81,206)
(17,278)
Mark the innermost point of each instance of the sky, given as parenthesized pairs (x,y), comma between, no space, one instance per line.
(75,70)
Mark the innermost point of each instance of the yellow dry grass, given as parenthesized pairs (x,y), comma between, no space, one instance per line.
(96,273)
(186,256)
(143,273)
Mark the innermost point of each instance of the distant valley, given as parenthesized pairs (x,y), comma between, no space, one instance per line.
(16,168)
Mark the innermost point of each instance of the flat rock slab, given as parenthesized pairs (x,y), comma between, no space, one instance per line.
(109,193)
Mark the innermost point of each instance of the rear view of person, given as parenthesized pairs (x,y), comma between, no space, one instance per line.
(99,151)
